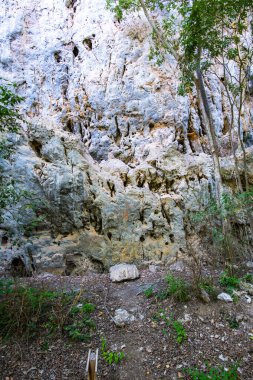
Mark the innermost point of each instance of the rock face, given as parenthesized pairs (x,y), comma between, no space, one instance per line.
(123,272)
(111,148)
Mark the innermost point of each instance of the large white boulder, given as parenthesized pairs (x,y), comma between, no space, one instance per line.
(123,272)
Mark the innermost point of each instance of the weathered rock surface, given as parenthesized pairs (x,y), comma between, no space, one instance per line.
(122,317)
(111,148)
(224,297)
(123,272)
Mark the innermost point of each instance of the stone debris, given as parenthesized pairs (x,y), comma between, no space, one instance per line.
(247,287)
(178,266)
(153,268)
(122,317)
(124,272)
(224,297)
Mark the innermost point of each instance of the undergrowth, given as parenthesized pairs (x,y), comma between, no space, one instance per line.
(213,373)
(111,357)
(27,311)
(171,324)
(177,288)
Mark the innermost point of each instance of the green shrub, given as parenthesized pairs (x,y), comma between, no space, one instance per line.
(230,282)
(177,288)
(248,278)
(207,285)
(149,292)
(27,310)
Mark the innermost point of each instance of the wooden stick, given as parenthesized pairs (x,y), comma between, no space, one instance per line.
(92,365)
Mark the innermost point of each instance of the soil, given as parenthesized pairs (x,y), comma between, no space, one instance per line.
(151,350)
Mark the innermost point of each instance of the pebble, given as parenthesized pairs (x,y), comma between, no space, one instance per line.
(223,358)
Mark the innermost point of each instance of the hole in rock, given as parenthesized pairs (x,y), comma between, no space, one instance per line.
(142,239)
(4,240)
(75,51)
(36,146)
(70,266)
(109,235)
(88,42)
(57,56)
(69,125)
(172,238)
(18,268)
(97,265)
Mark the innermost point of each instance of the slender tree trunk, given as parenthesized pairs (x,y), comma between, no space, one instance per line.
(211,135)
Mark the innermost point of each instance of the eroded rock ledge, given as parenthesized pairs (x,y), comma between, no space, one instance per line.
(117,154)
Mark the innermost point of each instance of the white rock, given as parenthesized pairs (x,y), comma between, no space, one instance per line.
(122,317)
(223,358)
(153,268)
(122,272)
(248,299)
(225,297)
(178,266)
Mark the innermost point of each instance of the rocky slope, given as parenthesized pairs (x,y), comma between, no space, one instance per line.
(117,154)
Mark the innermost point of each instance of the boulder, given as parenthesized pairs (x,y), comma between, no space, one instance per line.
(225,297)
(123,272)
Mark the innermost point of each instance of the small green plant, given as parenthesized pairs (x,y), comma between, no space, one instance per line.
(233,323)
(180,331)
(206,284)
(213,373)
(248,278)
(111,357)
(170,322)
(149,292)
(44,345)
(6,287)
(177,288)
(229,282)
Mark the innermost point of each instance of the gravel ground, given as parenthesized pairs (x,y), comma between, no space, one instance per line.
(151,350)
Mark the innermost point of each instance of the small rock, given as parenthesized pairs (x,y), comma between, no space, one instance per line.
(247,287)
(122,317)
(225,297)
(123,272)
(187,318)
(178,266)
(148,349)
(223,358)
(249,264)
(204,296)
(248,299)
(240,318)
(153,268)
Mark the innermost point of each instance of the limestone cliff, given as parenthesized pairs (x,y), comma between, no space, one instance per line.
(109,144)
